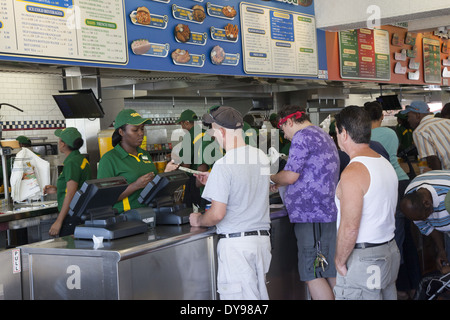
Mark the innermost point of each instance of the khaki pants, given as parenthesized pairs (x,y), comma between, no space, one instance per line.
(371,274)
(242,266)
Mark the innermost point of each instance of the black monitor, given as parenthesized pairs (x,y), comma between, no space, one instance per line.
(96,197)
(163,185)
(93,203)
(390,102)
(75,104)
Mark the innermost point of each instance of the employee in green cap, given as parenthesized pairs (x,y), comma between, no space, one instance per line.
(193,155)
(128,159)
(76,170)
(283,143)
(24,141)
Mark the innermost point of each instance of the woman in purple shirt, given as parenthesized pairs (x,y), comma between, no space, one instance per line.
(311,175)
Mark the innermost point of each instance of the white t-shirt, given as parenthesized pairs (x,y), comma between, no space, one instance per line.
(241,180)
(380,201)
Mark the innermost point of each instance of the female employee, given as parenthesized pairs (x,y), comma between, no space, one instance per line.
(127,159)
(76,170)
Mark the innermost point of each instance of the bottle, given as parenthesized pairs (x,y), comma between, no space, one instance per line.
(422,165)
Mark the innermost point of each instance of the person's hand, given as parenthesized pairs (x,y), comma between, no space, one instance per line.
(55,228)
(342,269)
(273,187)
(171,166)
(142,181)
(202,177)
(194,219)
(49,189)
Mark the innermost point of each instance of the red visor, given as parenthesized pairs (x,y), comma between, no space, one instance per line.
(297,115)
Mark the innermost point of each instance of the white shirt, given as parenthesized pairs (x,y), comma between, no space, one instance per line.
(380,201)
(241,180)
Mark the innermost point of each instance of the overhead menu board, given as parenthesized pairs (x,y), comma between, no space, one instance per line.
(432,60)
(261,38)
(364,54)
(87,30)
(277,41)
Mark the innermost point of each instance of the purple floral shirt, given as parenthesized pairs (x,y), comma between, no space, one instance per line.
(313,154)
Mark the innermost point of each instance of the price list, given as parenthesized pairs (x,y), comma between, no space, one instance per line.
(64,29)
(364,54)
(278,41)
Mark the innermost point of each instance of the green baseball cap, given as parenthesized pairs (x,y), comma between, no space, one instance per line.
(273,117)
(68,135)
(187,115)
(129,116)
(23,140)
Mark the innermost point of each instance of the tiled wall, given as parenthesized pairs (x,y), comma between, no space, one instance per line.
(32,92)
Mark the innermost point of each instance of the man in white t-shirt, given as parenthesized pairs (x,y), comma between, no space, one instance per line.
(238,188)
(367,258)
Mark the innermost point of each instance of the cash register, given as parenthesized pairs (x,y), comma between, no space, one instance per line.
(93,204)
(159,194)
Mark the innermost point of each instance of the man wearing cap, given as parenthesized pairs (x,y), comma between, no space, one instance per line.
(192,155)
(431,135)
(427,203)
(127,159)
(238,188)
(75,172)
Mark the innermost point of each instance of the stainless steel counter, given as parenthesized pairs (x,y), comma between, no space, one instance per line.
(24,221)
(168,262)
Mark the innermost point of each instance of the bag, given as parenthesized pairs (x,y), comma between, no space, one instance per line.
(29,175)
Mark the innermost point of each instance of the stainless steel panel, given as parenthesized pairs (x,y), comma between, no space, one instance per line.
(179,272)
(10,277)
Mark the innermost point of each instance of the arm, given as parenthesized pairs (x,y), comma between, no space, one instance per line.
(140,183)
(71,188)
(438,239)
(434,163)
(210,218)
(285,177)
(351,190)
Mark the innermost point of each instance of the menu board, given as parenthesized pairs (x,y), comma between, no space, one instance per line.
(64,29)
(193,36)
(277,41)
(432,60)
(364,54)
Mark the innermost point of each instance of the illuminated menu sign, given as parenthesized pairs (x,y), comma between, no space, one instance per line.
(278,41)
(64,29)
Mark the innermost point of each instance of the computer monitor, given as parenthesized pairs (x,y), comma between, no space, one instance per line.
(75,104)
(390,102)
(93,204)
(96,197)
(163,185)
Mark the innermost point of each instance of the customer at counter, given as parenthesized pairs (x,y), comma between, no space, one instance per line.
(427,203)
(431,135)
(311,174)
(389,139)
(238,188)
(367,258)
(75,172)
(127,159)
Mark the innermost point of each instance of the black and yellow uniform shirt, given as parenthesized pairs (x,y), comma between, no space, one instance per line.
(76,168)
(117,162)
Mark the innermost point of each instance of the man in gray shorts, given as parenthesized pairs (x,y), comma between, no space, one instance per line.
(367,258)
